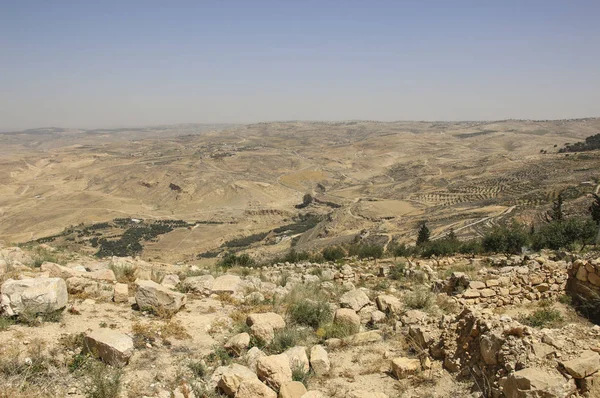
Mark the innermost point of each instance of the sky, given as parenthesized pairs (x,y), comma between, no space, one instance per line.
(89,64)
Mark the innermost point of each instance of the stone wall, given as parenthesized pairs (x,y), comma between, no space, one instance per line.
(584,285)
(538,279)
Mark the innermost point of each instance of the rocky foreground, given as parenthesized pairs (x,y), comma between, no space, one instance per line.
(481,327)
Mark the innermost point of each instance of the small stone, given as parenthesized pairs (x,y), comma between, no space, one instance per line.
(319,360)
(403,367)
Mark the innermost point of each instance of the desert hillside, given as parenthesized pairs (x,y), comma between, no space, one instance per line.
(229,182)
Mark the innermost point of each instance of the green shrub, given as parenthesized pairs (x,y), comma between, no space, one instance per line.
(419,299)
(123,273)
(336,331)
(232,260)
(364,251)
(104,381)
(396,272)
(505,239)
(301,375)
(542,318)
(440,247)
(286,338)
(564,234)
(220,356)
(6,322)
(399,250)
(309,313)
(333,253)
(197,368)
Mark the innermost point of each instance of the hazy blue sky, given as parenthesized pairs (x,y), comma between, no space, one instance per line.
(104,63)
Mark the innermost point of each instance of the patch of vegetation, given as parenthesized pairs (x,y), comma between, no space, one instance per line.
(396,271)
(591,143)
(301,225)
(567,234)
(103,381)
(418,299)
(220,356)
(302,375)
(333,253)
(129,243)
(198,368)
(32,318)
(209,254)
(285,338)
(364,251)
(123,273)
(335,331)
(309,313)
(545,317)
(6,322)
(245,241)
(307,199)
(505,239)
(232,260)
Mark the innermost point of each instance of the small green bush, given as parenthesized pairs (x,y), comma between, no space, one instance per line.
(309,313)
(543,317)
(197,368)
(231,260)
(419,299)
(286,338)
(301,375)
(336,331)
(333,253)
(6,322)
(397,272)
(104,381)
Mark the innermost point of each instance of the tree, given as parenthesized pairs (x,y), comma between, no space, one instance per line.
(557,213)
(333,253)
(423,235)
(505,239)
(307,199)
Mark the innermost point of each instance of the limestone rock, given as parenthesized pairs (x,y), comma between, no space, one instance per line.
(346,316)
(489,347)
(121,294)
(371,336)
(229,378)
(254,389)
(263,326)
(226,284)
(590,385)
(198,284)
(170,281)
(403,367)
(151,295)
(112,346)
(263,332)
(36,295)
(268,318)
(238,343)
(274,370)
(354,299)
(90,287)
(585,364)
(319,360)
(532,382)
(252,357)
(389,304)
(298,358)
(292,389)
